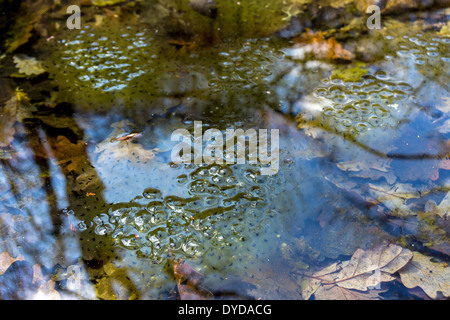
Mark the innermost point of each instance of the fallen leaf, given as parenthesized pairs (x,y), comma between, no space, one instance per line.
(334,292)
(363,272)
(315,43)
(115,284)
(394,197)
(337,52)
(71,156)
(46,288)
(345,230)
(9,116)
(272,281)
(189,282)
(369,167)
(432,277)
(28,66)
(46,291)
(113,150)
(6,260)
(7,122)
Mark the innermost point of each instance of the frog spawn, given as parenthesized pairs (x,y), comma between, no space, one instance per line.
(355,107)
(428,50)
(229,219)
(98,64)
(245,66)
(211,214)
(110,66)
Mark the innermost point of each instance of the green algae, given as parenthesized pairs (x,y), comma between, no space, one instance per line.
(353,73)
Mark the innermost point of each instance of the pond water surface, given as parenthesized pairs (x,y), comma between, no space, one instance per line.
(363,151)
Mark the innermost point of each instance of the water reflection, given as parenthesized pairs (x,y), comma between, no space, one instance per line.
(106,217)
(33,222)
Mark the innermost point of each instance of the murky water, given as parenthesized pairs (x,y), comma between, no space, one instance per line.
(75,195)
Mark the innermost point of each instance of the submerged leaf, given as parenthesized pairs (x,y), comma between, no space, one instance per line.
(334,292)
(361,271)
(394,197)
(115,284)
(272,281)
(9,114)
(364,271)
(28,65)
(189,282)
(316,44)
(432,277)
(116,149)
(46,288)
(369,167)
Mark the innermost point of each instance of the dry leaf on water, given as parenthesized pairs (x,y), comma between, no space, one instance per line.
(189,282)
(432,277)
(364,271)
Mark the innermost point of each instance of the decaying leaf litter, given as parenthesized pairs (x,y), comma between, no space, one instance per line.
(361,134)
